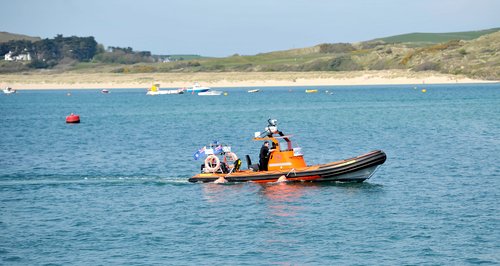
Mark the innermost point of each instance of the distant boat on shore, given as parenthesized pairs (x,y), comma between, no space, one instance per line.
(210,93)
(197,88)
(9,90)
(155,90)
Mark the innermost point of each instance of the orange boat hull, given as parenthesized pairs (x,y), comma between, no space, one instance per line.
(356,169)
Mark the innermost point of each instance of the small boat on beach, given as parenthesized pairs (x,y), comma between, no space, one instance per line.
(311,91)
(254,91)
(286,163)
(197,88)
(9,90)
(210,93)
(155,90)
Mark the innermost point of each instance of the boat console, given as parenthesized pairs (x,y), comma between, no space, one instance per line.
(281,158)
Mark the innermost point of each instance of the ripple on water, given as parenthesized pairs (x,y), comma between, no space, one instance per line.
(114,190)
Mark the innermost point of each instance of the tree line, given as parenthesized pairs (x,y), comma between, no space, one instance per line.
(118,55)
(47,53)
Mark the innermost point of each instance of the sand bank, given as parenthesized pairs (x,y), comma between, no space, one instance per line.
(73,80)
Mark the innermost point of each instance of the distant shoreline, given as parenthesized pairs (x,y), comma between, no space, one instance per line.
(74,80)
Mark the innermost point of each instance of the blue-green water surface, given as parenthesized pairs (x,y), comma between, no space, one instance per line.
(113,189)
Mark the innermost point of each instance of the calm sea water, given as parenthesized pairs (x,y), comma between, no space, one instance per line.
(114,190)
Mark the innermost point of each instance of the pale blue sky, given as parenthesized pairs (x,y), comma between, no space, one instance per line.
(225,27)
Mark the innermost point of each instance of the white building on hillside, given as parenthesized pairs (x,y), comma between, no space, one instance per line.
(20,57)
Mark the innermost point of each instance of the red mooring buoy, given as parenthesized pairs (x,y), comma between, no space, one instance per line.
(72,118)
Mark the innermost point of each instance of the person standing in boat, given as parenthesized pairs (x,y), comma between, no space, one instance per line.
(264,156)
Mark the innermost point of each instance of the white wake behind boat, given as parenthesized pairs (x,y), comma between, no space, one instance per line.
(210,93)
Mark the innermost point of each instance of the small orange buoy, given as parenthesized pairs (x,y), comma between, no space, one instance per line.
(72,118)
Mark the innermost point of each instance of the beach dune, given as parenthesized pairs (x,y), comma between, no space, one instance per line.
(72,80)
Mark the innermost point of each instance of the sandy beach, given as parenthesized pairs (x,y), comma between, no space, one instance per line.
(74,80)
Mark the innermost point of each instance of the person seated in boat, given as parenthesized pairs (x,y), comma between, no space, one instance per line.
(224,169)
(264,156)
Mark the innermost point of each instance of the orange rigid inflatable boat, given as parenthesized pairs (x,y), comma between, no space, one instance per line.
(286,164)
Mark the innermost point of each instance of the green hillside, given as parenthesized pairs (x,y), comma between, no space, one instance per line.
(184,56)
(436,37)
(5,37)
(478,58)
(475,54)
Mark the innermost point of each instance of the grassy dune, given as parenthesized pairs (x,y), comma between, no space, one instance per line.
(436,37)
(478,58)
(372,62)
(6,36)
(75,80)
